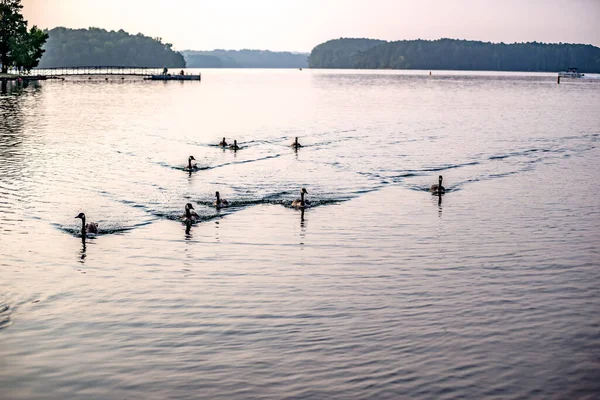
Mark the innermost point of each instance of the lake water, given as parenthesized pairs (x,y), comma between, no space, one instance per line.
(379,290)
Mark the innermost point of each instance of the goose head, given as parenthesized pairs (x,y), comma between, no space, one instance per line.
(191,158)
(189,206)
(440,180)
(80,216)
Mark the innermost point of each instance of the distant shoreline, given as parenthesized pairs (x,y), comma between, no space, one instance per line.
(454,54)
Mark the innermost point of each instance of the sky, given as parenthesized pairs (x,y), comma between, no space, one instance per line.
(299,25)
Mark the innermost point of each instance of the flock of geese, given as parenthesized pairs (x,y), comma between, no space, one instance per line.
(191,216)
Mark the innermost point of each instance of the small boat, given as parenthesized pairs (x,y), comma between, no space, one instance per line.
(571,73)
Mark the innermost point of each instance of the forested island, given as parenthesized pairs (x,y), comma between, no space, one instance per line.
(244,59)
(452,54)
(99,47)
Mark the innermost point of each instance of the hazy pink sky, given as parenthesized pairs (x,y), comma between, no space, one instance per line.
(299,25)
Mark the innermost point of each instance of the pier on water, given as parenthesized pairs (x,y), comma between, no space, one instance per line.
(149,73)
(104,70)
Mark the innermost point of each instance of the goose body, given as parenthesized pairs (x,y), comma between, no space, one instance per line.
(190,166)
(90,227)
(219,202)
(234,146)
(190,214)
(296,145)
(223,143)
(438,188)
(301,202)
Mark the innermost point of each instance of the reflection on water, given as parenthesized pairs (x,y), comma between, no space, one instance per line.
(302,227)
(16,88)
(82,253)
(380,300)
(188,227)
(17,159)
(217,239)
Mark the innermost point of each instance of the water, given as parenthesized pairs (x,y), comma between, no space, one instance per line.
(380,290)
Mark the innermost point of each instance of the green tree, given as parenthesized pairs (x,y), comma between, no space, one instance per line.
(11,25)
(28,49)
(19,47)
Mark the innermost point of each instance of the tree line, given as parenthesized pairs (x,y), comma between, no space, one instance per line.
(99,47)
(340,53)
(452,54)
(20,48)
(244,59)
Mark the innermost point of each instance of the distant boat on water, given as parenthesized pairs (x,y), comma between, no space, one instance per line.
(571,73)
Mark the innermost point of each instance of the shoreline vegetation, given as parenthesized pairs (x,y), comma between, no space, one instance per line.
(95,47)
(245,59)
(98,47)
(453,54)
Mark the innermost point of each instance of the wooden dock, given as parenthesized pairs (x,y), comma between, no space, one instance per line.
(100,70)
(148,73)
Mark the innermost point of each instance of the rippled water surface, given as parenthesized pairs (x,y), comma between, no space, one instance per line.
(379,290)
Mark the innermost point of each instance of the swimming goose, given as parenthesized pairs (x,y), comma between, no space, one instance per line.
(438,188)
(223,143)
(234,146)
(296,144)
(220,202)
(190,215)
(90,227)
(191,167)
(301,203)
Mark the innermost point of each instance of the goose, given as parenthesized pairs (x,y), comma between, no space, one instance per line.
(220,202)
(301,203)
(234,146)
(190,214)
(191,167)
(296,144)
(438,188)
(223,143)
(90,227)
